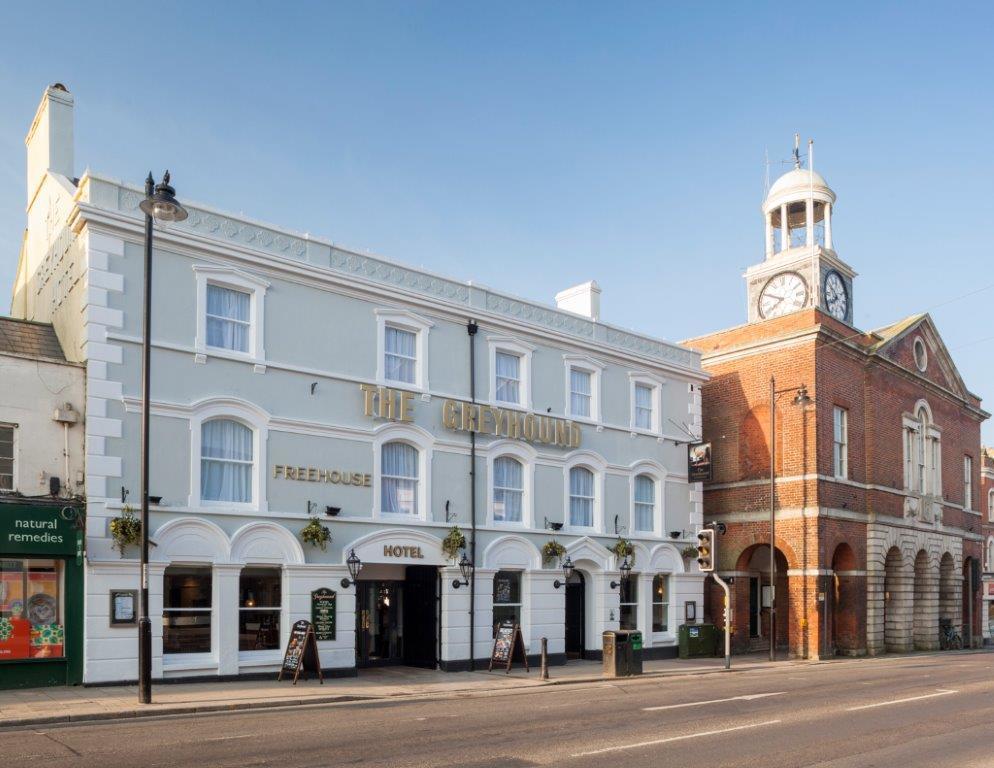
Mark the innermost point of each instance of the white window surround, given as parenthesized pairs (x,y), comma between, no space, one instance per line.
(523,350)
(990,506)
(239,280)
(253,418)
(417,438)
(598,466)
(968,483)
(658,473)
(526,455)
(13,450)
(915,430)
(272,655)
(405,321)
(594,368)
(840,441)
(656,383)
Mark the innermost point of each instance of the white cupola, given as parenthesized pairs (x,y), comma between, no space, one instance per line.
(801,268)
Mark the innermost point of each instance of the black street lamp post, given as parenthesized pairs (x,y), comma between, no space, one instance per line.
(160,203)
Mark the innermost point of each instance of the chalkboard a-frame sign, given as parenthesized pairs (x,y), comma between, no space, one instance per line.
(508,642)
(301,653)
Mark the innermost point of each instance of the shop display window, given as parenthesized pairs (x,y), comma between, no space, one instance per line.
(259,601)
(186,611)
(507,597)
(629,602)
(32,624)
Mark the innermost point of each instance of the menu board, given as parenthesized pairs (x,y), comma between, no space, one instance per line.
(323,609)
(301,653)
(507,642)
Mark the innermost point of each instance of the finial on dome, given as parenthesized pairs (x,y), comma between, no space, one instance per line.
(797,150)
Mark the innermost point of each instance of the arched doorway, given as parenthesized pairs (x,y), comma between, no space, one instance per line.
(926,605)
(949,592)
(756,603)
(846,591)
(576,615)
(898,601)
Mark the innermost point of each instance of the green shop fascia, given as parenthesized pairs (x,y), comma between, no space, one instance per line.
(41,592)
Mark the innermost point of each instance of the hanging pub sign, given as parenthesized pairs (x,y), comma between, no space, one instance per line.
(508,642)
(699,463)
(301,653)
(323,604)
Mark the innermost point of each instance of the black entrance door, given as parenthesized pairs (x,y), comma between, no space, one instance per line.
(575,615)
(420,617)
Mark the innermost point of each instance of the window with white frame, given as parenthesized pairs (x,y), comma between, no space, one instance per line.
(226,461)
(259,603)
(6,457)
(186,609)
(990,555)
(990,506)
(968,482)
(643,406)
(922,455)
(399,478)
(400,355)
(645,504)
(509,487)
(840,441)
(660,602)
(581,497)
(629,608)
(507,382)
(580,392)
(507,597)
(229,321)
(646,402)
(230,312)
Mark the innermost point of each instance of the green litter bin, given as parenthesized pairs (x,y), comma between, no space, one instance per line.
(697,640)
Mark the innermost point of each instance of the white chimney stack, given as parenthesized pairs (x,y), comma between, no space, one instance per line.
(583,299)
(50,138)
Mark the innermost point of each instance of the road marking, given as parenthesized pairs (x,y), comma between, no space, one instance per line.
(748,697)
(675,738)
(901,701)
(229,738)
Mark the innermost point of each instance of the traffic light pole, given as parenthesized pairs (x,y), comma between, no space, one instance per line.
(728,620)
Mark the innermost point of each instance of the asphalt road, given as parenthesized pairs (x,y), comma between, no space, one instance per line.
(934,710)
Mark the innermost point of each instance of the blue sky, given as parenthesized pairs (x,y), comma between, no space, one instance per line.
(530,146)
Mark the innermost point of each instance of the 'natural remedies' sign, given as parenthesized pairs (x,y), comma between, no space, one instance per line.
(26,530)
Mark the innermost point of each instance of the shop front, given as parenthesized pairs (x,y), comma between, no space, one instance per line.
(41,594)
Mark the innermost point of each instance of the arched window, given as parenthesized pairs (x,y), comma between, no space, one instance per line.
(399,479)
(508,490)
(581,497)
(990,555)
(226,462)
(645,503)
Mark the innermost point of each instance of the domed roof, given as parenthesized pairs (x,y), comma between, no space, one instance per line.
(795,184)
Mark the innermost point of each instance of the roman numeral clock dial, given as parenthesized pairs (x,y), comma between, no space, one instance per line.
(784,293)
(836,300)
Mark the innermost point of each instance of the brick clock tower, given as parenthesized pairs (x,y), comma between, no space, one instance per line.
(877,494)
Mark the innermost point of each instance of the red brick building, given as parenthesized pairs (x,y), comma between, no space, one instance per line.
(878,479)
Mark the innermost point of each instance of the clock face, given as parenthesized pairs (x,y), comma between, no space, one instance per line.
(835,296)
(784,293)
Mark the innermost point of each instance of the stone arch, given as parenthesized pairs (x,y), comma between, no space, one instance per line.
(666,558)
(266,542)
(512,552)
(846,588)
(370,548)
(752,612)
(588,549)
(950,588)
(190,540)
(926,605)
(898,602)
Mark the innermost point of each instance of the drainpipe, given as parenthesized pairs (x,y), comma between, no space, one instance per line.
(471,329)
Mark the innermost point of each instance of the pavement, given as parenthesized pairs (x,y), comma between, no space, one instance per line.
(42,706)
(908,711)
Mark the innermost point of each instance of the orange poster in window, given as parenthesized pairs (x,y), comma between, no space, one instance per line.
(15,638)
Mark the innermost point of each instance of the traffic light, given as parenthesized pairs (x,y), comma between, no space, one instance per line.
(705,549)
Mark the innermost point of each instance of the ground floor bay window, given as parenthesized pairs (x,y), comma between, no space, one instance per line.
(186,609)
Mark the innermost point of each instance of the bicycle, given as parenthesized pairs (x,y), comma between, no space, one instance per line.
(949,638)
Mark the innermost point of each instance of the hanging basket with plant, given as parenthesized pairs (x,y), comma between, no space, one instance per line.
(316,534)
(623,548)
(125,530)
(689,552)
(454,541)
(552,551)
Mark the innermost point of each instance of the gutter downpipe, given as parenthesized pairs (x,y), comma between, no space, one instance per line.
(471,329)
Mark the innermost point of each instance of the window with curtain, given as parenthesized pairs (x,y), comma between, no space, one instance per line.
(508,489)
(226,462)
(660,602)
(399,479)
(643,406)
(228,318)
(6,457)
(259,601)
(629,609)
(400,355)
(580,389)
(508,377)
(840,441)
(581,497)
(186,609)
(507,597)
(645,503)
